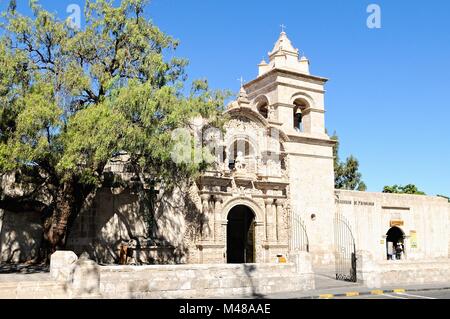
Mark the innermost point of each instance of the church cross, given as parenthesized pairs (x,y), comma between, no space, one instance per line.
(241,80)
(282,27)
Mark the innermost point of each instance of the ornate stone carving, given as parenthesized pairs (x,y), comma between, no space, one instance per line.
(239,162)
(271,114)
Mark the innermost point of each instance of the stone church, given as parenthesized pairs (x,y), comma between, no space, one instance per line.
(269,195)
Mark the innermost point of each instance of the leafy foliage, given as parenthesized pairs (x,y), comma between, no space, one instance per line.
(346,174)
(72,99)
(407,189)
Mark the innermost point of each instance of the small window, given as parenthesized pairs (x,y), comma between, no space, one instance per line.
(262,105)
(264,111)
(299,115)
(298,119)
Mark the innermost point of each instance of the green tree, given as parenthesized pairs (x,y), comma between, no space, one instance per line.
(346,174)
(407,189)
(72,99)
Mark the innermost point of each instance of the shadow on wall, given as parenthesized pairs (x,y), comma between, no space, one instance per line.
(119,217)
(20,237)
(249,269)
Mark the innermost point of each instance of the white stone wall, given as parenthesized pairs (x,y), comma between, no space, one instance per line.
(449,230)
(311,191)
(84,278)
(370,215)
(201,281)
(388,273)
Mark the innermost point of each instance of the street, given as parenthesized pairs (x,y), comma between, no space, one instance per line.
(428,294)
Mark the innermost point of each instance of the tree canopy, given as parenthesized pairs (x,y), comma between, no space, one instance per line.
(70,99)
(346,174)
(407,189)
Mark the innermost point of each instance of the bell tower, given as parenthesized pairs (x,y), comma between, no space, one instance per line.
(293,100)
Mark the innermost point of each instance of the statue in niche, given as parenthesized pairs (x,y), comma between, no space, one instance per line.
(239,162)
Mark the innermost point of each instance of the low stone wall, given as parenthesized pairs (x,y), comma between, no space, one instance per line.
(33,289)
(377,274)
(201,281)
(85,278)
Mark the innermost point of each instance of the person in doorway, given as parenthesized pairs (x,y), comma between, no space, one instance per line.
(398,251)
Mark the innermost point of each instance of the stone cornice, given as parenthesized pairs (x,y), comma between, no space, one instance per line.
(309,109)
(310,140)
(311,155)
(318,79)
(274,245)
(274,84)
(209,245)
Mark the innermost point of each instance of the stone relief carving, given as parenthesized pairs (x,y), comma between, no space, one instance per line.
(271,114)
(242,126)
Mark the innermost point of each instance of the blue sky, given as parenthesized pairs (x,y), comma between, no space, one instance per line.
(388,94)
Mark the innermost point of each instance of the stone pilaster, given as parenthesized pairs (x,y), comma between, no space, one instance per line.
(279,219)
(270,220)
(205,216)
(218,201)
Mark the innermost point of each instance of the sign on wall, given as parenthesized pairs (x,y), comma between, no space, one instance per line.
(413,238)
(397,222)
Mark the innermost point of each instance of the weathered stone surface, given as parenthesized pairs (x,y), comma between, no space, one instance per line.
(62,264)
(378,274)
(84,280)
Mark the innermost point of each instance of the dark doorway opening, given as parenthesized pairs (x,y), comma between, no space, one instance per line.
(241,235)
(395,248)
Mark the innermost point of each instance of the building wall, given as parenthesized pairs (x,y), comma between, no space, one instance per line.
(118,218)
(20,236)
(449,230)
(370,216)
(311,193)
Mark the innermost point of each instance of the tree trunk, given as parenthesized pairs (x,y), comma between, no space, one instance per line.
(57,224)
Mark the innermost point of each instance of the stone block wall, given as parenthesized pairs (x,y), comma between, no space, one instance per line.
(201,281)
(389,273)
(84,278)
(424,221)
(20,236)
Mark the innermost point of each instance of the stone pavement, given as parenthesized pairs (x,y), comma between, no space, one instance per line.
(356,291)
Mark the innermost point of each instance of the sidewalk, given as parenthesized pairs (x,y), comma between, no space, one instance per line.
(328,287)
(355,291)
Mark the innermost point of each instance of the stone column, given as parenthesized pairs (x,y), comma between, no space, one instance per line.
(205,215)
(218,200)
(279,219)
(269,220)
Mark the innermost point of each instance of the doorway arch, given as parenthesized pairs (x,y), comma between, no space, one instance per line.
(394,237)
(241,235)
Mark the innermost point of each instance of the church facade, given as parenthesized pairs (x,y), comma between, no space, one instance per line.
(269,195)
